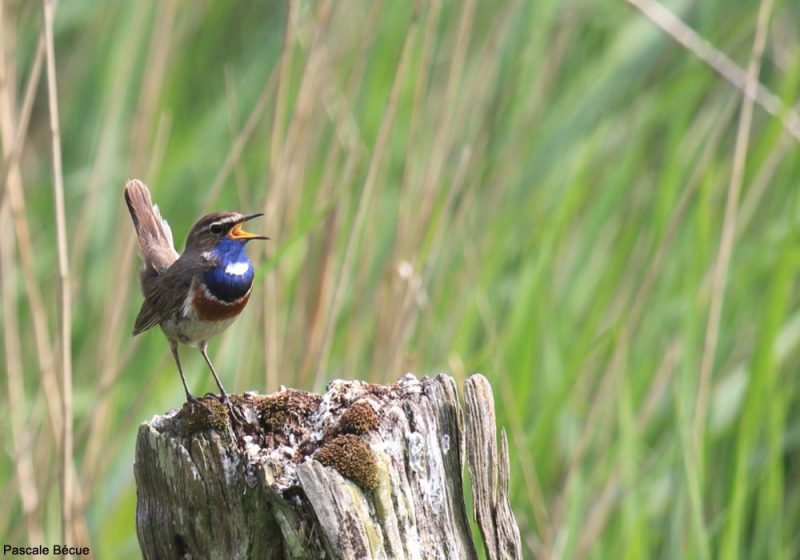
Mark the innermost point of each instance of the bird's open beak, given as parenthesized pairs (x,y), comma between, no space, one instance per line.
(237,232)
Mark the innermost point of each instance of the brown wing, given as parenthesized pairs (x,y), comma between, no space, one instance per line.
(164,295)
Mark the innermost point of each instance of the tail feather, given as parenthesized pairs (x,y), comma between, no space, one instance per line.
(152,231)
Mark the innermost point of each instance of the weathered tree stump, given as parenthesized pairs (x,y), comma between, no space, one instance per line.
(363,471)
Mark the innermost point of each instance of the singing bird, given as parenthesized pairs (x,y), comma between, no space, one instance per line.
(199,293)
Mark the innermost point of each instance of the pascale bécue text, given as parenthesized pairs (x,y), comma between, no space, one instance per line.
(42,550)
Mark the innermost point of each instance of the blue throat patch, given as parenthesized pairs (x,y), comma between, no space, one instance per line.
(222,280)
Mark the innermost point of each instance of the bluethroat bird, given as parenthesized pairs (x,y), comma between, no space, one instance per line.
(197,294)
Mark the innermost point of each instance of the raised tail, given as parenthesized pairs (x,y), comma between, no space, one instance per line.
(152,231)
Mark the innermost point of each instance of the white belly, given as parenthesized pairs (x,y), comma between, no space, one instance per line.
(188,328)
(191,330)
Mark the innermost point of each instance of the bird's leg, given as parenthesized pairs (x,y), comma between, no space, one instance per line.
(204,350)
(235,414)
(173,345)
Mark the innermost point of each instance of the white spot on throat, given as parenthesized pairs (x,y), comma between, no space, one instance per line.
(237,269)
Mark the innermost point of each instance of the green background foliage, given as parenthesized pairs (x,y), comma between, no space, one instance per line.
(534,190)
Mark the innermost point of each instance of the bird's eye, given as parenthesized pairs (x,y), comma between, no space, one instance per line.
(216,229)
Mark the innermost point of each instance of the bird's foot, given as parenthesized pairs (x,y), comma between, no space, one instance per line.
(234,412)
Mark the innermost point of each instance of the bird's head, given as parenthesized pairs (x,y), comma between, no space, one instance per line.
(218,228)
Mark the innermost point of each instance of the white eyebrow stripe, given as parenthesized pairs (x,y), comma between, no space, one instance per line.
(224,221)
(237,269)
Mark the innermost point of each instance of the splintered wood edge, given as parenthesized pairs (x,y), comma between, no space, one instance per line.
(507,529)
(489,473)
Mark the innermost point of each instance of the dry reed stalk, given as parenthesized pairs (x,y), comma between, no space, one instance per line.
(21,434)
(407,235)
(97,458)
(335,94)
(159,53)
(283,161)
(417,282)
(65,312)
(409,231)
(12,178)
(101,171)
(24,117)
(131,417)
(755,193)
(366,194)
(331,234)
(281,101)
(729,227)
(269,298)
(318,292)
(114,327)
(283,172)
(442,142)
(721,63)
(341,163)
(125,355)
(452,131)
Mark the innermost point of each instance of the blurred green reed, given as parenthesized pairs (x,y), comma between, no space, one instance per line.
(532,190)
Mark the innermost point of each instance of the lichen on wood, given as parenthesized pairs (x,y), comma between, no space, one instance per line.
(362,471)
